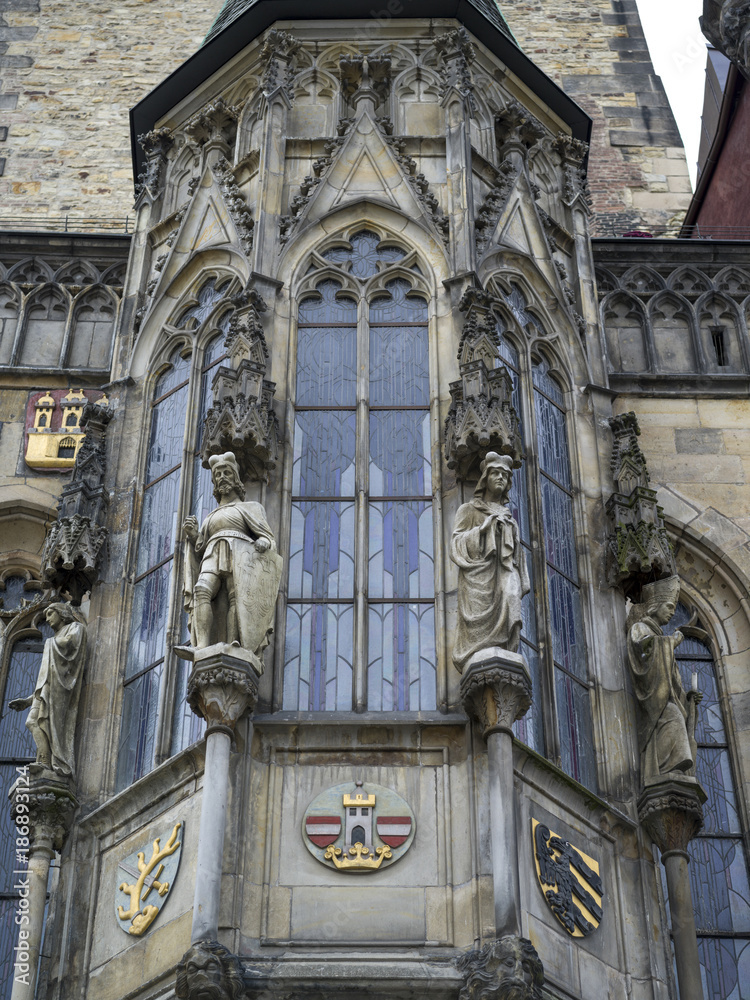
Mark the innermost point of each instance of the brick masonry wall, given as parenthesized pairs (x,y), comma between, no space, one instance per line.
(596,50)
(69,74)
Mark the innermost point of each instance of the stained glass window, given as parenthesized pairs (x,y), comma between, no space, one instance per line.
(360,604)
(559,722)
(718,863)
(157,602)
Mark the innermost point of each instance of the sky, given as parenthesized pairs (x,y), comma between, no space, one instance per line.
(678,52)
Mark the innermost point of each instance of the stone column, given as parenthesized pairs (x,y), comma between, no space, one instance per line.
(671,813)
(496,690)
(45,805)
(223,685)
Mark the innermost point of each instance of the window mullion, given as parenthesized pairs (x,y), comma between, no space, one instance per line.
(361,511)
(165,713)
(547,696)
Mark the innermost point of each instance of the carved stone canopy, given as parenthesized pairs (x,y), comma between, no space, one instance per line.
(481,417)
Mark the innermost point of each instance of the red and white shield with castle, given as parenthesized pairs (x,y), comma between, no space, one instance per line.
(358,827)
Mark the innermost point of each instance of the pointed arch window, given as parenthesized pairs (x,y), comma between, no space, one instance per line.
(558,724)
(360,629)
(718,868)
(175,484)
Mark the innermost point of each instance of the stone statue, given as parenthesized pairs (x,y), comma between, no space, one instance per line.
(54,703)
(506,969)
(232,569)
(492,572)
(666,714)
(209,971)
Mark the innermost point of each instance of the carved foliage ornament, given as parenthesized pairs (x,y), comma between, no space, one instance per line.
(278,55)
(506,969)
(146,884)
(455,54)
(570,881)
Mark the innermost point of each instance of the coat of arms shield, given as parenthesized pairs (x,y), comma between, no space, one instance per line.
(570,881)
(145,884)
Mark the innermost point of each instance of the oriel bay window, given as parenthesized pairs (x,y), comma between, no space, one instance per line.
(360,618)
(558,724)
(175,484)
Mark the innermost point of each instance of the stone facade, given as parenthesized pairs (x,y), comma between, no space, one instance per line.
(341,221)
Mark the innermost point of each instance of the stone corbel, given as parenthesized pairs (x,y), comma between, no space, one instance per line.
(496,690)
(242,419)
(74,543)
(481,416)
(213,129)
(639,546)
(209,970)
(455,54)
(507,968)
(223,685)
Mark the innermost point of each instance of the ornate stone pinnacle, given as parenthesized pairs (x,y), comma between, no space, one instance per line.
(671,812)
(496,689)
(214,126)
(505,969)
(278,54)
(455,54)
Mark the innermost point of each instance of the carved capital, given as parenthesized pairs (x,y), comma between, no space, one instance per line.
(505,969)
(496,689)
(223,684)
(671,812)
(209,971)
(46,805)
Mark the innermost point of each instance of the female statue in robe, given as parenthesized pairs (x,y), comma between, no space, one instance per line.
(54,703)
(666,714)
(492,572)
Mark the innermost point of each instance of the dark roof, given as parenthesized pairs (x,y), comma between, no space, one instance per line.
(241,21)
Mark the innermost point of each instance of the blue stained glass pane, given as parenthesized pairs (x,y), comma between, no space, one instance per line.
(8,941)
(710,725)
(399,306)
(529,729)
(725,968)
(214,350)
(568,642)
(364,254)
(326,367)
(574,730)
(187,727)
(559,528)
(324,446)
(401,563)
(528,603)
(208,296)
(12,593)
(718,876)
(167,433)
(321,550)
(203,501)
(508,353)
(318,657)
(23,669)
(149,620)
(401,671)
(178,373)
(543,380)
(714,772)
(328,306)
(400,453)
(552,440)
(138,733)
(519,501)
(399,366)
(158,521)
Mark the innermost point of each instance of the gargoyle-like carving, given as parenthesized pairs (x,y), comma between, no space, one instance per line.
(242,419)
(640,548)
(481,417)
(74,542)
(238,209)
(490,209)
(455,54)
(726,23)
(279,54)
(506,969)
(209,971)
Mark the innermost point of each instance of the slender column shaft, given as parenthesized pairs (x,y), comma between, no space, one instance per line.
(503,837)
(24,973)
(683,925)
(211,837)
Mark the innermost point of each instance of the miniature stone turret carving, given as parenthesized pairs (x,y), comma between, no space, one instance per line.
(232,569)
(72,549)
(57,692)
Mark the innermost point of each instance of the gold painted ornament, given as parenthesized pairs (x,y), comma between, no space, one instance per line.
(151,883)
(570,881)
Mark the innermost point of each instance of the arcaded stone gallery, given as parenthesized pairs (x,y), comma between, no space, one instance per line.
(374,509)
